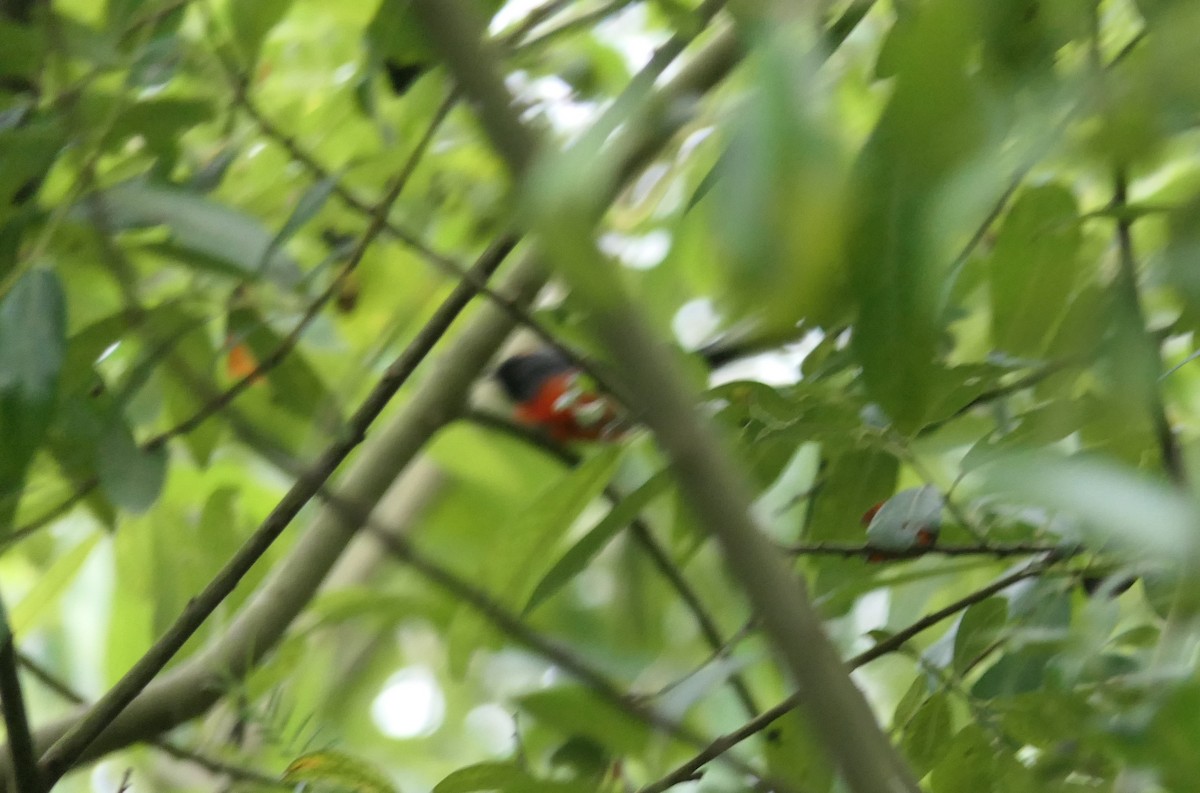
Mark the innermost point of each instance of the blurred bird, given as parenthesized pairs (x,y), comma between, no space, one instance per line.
(552,393)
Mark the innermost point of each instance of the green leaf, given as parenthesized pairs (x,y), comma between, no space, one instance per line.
(897,244)
(29,150)
(306,208)
(967,764)
(50,585)
(778,210)
(160,121)
(577,557)
(1015,673)
(574,710)
(521,548)
(506,777)
(978,630)
(1144,516)
(131,477)
(483,776)
(252,20)
(340,770)
(201,226)
(1034,268)
(796,755)
(927,734)
(22,51)
(32,348)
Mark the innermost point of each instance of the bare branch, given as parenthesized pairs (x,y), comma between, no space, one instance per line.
(67,750)
(16,719)
(716,492)
(688,769)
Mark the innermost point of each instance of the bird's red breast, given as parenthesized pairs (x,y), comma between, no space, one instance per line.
(550,392)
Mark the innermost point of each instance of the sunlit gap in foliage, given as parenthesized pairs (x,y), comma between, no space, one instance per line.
(411,704)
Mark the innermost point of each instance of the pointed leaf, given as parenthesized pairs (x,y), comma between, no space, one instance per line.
(1034,268)
(50,585)
(576,559)
(32,348)
(131,477)
(339,770)
(202,226)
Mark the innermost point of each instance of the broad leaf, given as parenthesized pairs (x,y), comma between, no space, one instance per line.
(32,349)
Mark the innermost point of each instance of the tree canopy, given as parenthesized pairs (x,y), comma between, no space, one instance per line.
(881,313)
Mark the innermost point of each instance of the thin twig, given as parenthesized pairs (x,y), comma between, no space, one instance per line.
(262,367)
(688,769)
(240,773)
(851,550)
(717,493)
(1168,444)
(16,720)
(63,754)
(512,626)
(641,534)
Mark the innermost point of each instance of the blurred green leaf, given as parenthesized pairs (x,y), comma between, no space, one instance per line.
(50,586)
(484,776)
(981,625)
(32,348)
(1015,673)
(1119,505)
(895,260)
(968,763)
(338,770)
(306,209)
(795,755)
(131,477)
(777,204)
(1034,267)
(520,549)
(252,20)
(23,49)
(577,557)
(927,734)
(202,226)
(506,777)
(574,710)
(295,384)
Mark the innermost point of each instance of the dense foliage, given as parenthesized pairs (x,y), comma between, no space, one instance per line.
(939,255)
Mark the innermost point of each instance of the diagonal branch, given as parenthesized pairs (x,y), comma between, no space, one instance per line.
(644,538)
(718,495)
(193,687)
(16,719)
(688,769)
(68,749)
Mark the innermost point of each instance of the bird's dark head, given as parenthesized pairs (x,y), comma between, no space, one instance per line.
(522,376)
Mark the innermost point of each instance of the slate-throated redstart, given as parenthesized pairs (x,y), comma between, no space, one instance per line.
(551,392)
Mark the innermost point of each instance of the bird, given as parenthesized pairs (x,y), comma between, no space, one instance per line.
(552,393)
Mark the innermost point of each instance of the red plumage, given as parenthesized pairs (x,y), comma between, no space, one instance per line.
(549,392)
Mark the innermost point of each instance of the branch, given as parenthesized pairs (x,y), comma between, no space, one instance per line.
(194,686)
(641,534)
(68,749)
(16,719)
(719,497)
(400,548)
(1130,295)
(852,550)
(688,769)
(223,400)
(443,263)
(59,687)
